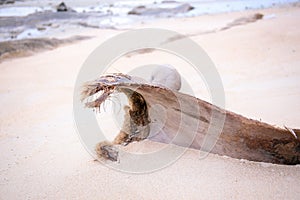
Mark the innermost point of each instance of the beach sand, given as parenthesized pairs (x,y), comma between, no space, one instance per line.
(42,156)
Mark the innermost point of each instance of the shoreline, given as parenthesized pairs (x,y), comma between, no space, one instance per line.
(42,20)
(241,18)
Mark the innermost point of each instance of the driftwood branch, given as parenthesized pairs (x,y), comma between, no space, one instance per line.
(190,119)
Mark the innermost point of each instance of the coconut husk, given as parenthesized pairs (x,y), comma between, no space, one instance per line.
(190,122)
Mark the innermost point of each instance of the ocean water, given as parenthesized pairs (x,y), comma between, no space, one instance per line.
(122,7)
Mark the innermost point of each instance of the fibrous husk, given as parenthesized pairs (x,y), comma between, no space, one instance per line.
(188,120)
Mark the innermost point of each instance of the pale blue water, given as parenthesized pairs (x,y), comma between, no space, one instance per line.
(201,6)
(122,7)
(210,7)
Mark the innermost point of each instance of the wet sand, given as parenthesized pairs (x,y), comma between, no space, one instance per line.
(41,154)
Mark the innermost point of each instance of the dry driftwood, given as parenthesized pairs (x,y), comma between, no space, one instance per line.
(240,137)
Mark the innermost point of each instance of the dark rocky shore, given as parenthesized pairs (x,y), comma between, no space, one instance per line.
(19,31)
(23,35)
(26,47)
(38,23)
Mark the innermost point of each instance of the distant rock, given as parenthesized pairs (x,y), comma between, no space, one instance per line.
(143,10)
(183,8)
(2,2)
(137,10)
(258,16)
(62,7)
(26,47)
(246,20)
(243,20)
(169,1)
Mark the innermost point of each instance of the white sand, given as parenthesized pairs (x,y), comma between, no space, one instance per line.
(42,157)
